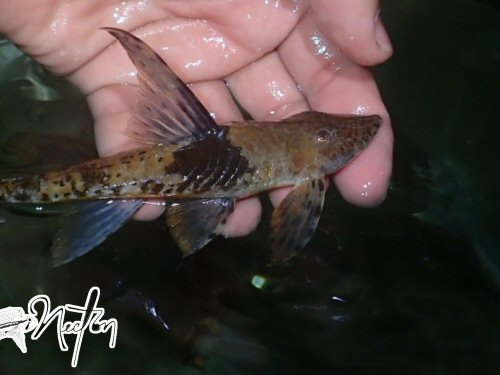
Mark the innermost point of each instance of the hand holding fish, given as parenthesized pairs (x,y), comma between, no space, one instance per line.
(260,52)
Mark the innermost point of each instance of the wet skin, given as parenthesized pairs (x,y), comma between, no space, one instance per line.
(186,156)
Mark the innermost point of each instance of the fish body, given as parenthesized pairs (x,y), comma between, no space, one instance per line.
(244,159)
(203,168)
(14,323)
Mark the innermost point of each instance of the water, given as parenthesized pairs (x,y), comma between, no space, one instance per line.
(408,287)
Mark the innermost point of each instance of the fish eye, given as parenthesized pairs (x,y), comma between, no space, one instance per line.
(322,135)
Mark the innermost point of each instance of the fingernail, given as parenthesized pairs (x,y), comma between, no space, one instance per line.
(382,39)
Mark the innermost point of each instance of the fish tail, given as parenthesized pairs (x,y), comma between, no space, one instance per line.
(20,189)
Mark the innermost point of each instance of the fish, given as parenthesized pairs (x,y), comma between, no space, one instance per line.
(14,323)
(197,167)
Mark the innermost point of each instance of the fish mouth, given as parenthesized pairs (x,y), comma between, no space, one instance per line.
(353,134)
(373,123)
(358,131)
(357,134)
(367,129)
(368,125)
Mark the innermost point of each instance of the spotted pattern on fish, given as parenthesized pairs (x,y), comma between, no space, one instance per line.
(294,221)
(186,157)
(211,163)
(250,157)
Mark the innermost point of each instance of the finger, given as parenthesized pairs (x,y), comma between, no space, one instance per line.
(365,181)
(112,108)
(334,84)
(267,91)
(216,97)
(355,27)
(244,219)
(277,195)
(195,49)
(112,105)
(64,36)
(185,53)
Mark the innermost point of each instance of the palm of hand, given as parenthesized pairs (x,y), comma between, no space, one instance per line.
(259,53)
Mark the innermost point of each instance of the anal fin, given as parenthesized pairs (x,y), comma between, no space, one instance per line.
(294,221)
(195,223)
(88,225)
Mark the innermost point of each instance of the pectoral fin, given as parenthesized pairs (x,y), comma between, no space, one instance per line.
(88,225)
(294,221)
(195,223)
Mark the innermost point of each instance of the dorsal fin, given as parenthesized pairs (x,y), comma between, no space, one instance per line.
(305,115)
(167,111)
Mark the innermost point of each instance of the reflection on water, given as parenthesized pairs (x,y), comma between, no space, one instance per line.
(410,284)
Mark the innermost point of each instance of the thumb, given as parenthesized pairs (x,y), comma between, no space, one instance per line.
(354,26)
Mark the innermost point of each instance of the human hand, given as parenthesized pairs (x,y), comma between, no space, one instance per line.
(275,57)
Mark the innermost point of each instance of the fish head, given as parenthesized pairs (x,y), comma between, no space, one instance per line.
(339,139)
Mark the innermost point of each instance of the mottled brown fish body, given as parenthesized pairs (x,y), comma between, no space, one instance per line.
(280,153)
(304,146)
(125,175)
(202,168)
(249,158)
